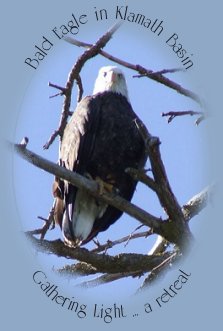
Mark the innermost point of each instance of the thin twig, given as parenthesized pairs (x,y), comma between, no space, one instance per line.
(174,114)
(62,89)
(48,223)
(168,71)
(110,244)
(56,95)
(161,72)
(200,119)
(132,234)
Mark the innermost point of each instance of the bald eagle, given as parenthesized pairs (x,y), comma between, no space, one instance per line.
(100,141)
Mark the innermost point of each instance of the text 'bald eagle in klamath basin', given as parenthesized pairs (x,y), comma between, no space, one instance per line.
(100,141)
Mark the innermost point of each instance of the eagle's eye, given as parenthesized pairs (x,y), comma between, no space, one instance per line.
(105,73)
(119,76)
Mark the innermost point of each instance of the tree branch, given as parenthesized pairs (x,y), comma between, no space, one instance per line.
(143,72)
(110,244)
(103,263)
(158,271)
(141,176)
(192,208)
(174,114)
(159,247)
(81,268)
(108,278)
(176,228)
(80,88)
(48,222)
(196,204)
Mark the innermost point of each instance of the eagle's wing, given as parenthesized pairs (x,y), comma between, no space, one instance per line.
(79,136)
(75,152)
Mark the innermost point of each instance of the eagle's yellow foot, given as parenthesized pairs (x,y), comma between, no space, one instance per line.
(104,187)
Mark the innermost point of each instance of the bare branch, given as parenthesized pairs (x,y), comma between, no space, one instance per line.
(178,228)
(158,271)
(75,75)
(24,142)
(192,208)
(108,278)
(159,247)
(162,72)
(196,204)
(200,119)
(168,71)
(77,43)
(110,244)
(174,114)
(60,88)
(80,88)
(103,263)
(48,223)
(81,268)
(140,175)
(143,72)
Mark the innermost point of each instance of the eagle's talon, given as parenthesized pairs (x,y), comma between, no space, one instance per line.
(104,187)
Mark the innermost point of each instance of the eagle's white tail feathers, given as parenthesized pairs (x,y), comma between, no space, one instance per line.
(86,210)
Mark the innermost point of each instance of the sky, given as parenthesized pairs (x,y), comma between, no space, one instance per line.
(182,142)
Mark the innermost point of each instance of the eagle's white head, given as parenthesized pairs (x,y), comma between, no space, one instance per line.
(111,79)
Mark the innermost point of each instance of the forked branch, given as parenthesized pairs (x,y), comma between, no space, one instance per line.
(142,71)
(173,114)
